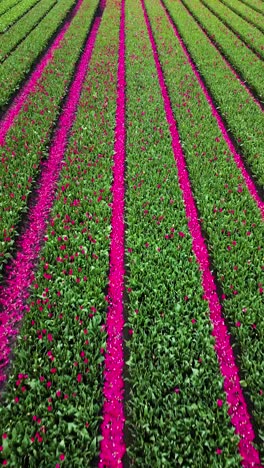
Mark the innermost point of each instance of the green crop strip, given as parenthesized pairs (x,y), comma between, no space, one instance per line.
(242,58)
(17,66)
(15,13)
(7,4)
(229,215)
(56,408)
(246,13)
(257,5)
(14,35)
(172,407)
(243,117)
(26,142)
(246,31)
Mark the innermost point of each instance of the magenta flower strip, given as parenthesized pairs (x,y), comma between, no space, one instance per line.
(21,274)
(112,444)
(224,59)
(236,402)
(237,158)
(29,86)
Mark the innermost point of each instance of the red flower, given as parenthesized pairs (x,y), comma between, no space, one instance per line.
(62,457)
(220,403)
(79,378)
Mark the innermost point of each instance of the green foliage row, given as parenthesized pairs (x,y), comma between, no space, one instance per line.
(257,5)
(27,141)
(244,118)
(251,35)
(19,63)
(55,421)
(245,62)
(12,15)
(20,30)
(230,218)
(6,5)
(246,12)
(175,383)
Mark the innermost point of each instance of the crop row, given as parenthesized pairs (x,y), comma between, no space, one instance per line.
(19,63)
(12,15)
(251,35)
(239,111)
(230,218)
(248,65)
(60,350)
(25,145)
(256,19)
(171,407)
(23,27)
(136,139)
(113,447)
(255,4)
(6,5)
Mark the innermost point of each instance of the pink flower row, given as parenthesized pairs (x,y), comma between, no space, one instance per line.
(242,83)
(237,158)
(28,88)
(112,445)
(14,295)
(237,406)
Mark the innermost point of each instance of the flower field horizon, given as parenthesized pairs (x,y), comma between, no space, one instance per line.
(131,224)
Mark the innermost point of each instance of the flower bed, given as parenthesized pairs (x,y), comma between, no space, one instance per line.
(250,35)
(35,112)
(12,15)
(246,13)
(247,64)
(18,64)
(23,27)
(230,218)
(239,110)
(60,352)
(131,324)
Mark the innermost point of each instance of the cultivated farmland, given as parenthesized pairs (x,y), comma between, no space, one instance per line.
(131,233)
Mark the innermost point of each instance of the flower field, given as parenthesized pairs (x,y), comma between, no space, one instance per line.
(131,233)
